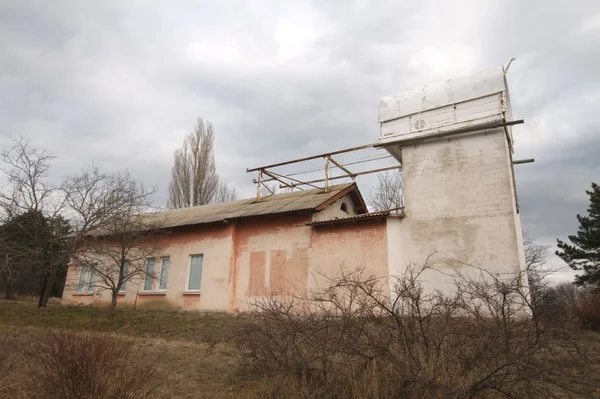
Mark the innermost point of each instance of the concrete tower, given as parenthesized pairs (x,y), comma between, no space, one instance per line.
(454,141)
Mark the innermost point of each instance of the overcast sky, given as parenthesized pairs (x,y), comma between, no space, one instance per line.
(119,83)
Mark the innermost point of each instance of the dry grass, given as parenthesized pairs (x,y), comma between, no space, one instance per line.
(178,369)
(279,355)
(173,325)
(176,343)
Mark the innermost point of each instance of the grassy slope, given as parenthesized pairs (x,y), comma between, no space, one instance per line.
(195,327)
(178,342)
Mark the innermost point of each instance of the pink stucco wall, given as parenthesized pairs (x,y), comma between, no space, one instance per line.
(250,258)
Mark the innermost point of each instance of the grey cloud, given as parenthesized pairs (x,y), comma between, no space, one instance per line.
(120,83)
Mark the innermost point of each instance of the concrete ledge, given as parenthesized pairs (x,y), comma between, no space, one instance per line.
(190,293)
(82,294)
(152,293)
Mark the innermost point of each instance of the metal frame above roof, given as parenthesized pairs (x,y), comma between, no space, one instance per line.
(289,182)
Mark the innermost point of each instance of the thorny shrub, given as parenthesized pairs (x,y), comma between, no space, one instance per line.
(355,340)
(89,366)
(565,301)
(587,309)
(9,359)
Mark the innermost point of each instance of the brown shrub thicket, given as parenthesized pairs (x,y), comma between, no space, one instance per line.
(565,301)
(587,310)
(75,366)
(70,366)
(9,361)
(355,340)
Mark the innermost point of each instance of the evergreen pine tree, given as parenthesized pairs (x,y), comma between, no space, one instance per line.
(584,253)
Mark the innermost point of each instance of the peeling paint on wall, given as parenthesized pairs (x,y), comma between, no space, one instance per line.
(247,259)
(257,285)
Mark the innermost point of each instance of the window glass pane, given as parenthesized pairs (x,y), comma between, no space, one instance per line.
(82,274)
(92,280)
(125,272)
(195,272)
(164,274)
(149,274)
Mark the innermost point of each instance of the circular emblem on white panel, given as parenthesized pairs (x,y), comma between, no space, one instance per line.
(419,124)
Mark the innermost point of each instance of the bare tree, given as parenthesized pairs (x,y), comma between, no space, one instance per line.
(94,198)
(194,179)
(26,169)
(32,207)
(120,234)
(388,193)
(224,193)
(537,275)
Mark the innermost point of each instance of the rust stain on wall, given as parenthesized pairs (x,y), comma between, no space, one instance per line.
(297,269)
(256,284)
(233,266)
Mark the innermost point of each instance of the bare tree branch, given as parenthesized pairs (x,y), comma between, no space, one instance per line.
(118,234)
(32,226)
(194,180)
(388,193)
(224,193)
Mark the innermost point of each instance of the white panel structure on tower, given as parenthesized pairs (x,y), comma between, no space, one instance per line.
(454,104)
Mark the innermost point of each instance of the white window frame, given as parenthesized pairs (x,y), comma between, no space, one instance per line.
(156,275)
(189,269)
(87,285)
(162,259)
(151,289)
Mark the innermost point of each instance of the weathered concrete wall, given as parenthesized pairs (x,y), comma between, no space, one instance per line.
(336,210)
(460,207)
(347,246)
(283,256)
(270,258)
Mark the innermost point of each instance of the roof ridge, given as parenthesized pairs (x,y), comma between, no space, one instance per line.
(253,199)
(271,204)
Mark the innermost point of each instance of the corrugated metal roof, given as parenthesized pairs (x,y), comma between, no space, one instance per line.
(274,204)
(372,215)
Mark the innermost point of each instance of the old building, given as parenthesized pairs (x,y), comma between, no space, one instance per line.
(221,256)
(453,141)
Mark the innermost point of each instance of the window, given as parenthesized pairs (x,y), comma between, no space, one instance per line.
(195,275)
(164,274)
(149,275)
(92,280)
(125,272)
(86,279)
(161,275)
(82,274)
(344,207)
